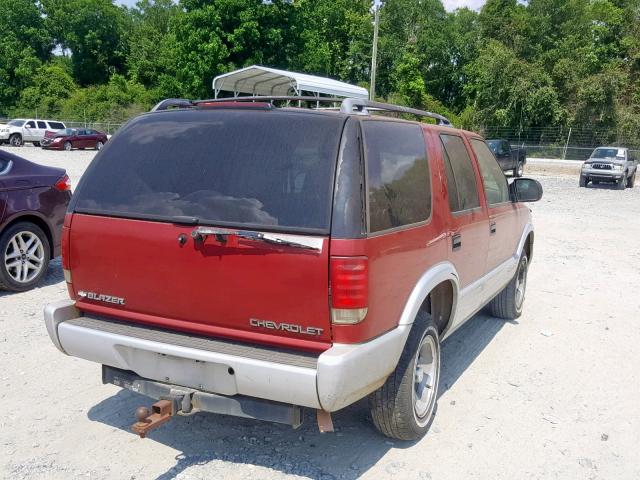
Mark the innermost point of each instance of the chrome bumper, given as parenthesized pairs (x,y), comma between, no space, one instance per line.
(341,375)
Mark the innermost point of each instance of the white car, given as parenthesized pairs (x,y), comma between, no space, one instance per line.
(20,130)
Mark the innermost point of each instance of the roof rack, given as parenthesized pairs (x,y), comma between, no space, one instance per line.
(347,105)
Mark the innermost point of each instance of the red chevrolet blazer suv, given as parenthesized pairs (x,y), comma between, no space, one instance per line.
(241,258)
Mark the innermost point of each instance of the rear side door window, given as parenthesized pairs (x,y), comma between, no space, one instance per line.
(461,178)
(42,125)
(496,188)
(398,180)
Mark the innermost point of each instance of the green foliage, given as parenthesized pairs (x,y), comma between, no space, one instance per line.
(94,32)
(520,65)
(24,44)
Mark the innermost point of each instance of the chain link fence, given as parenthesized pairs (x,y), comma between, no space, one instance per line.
(567,143)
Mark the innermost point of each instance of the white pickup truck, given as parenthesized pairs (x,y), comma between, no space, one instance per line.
(20,130)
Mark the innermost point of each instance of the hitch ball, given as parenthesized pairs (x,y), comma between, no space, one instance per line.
(142,413)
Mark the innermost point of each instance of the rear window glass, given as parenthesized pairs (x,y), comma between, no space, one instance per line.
(227,167)
(397,174)
(56,125)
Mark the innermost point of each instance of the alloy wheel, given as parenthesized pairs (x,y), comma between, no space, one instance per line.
(521,284)
(426,376)
(24,257)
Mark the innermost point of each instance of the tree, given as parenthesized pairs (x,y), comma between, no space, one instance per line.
(52,84)
(152,54)
(511,92)
(335,38)
(24,44)
(93,30)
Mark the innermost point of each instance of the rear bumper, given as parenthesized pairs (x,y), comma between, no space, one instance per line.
(336,378)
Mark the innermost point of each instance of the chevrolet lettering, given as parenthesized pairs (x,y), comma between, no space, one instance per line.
(285,327)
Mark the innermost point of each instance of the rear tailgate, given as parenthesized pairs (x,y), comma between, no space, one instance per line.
(238,289)
(132,252)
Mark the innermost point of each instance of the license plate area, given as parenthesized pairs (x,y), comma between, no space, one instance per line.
(206,376)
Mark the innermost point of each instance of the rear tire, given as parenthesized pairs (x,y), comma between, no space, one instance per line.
(404,407)
(15,140)
(583,181)
(15,258)
(36,144)
(509,302)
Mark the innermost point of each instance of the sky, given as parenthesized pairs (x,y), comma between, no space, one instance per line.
(450,5)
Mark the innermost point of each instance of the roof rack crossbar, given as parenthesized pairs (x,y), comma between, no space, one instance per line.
(347,105)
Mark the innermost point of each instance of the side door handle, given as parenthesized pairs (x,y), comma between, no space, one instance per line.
(456,241)
(492,228)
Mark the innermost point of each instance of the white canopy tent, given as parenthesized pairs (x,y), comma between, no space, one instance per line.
(265,81)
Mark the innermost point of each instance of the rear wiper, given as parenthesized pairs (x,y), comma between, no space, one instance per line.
(200,234)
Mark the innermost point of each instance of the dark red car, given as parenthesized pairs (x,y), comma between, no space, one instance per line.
(70,138)
(33,201)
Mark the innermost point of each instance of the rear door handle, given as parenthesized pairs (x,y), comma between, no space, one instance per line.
(456,241)
(492,228)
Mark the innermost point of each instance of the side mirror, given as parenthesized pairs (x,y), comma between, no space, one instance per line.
(525,190)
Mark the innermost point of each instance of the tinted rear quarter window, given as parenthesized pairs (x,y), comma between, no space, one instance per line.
(399,186)
(228,167)
(56,125)
(495,183)
(462,172)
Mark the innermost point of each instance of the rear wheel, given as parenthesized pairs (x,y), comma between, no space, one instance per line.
(36,144)
(583,181)
(404,407)
(67,146)
(15,140)
(25,254)
(509,302)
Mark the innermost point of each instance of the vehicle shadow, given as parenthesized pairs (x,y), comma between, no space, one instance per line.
(54,275)
(204,439)
(603,186)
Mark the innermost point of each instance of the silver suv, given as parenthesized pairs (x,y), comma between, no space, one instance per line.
(20,130)
(610,164)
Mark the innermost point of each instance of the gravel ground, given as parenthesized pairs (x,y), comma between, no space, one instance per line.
(553,395)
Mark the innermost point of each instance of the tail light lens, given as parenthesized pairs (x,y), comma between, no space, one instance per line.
(63,184)
(349,289)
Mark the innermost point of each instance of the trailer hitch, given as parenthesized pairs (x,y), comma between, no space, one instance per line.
(160,413)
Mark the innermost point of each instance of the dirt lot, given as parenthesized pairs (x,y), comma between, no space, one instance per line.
(553,395)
